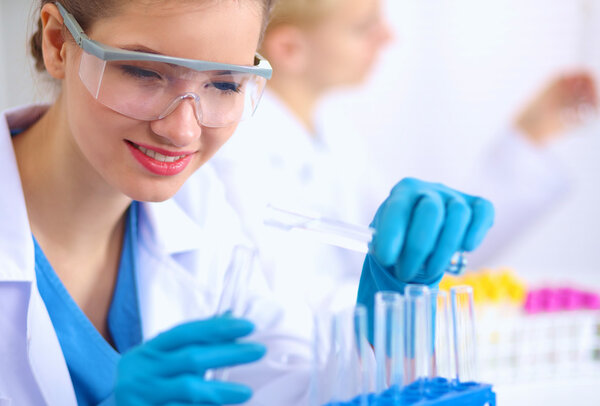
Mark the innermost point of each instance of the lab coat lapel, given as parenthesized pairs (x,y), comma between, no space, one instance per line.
(167,292)
(17,261)
(16,245)
(45,356)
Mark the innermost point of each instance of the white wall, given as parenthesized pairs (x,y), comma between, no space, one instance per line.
(3,62)
(18,82)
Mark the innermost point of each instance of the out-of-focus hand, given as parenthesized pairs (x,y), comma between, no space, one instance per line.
(170,368)
(563,104)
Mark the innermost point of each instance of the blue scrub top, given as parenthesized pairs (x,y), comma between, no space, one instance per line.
(91,360)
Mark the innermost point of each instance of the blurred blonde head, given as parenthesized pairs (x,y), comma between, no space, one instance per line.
(324,44)
(301,12)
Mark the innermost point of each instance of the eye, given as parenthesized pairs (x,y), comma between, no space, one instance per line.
(140,73)
(226,87)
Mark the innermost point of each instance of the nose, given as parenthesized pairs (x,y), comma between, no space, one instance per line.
(384,32)
(179,127)
(387,35)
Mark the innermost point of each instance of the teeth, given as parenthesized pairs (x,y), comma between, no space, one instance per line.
(158,156)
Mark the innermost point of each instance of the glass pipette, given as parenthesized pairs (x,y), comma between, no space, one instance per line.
(334,232)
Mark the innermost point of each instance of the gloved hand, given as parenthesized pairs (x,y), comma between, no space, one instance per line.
(169,369)
(417,230)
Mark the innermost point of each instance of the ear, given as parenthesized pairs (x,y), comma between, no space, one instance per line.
(53,41)
(286,47)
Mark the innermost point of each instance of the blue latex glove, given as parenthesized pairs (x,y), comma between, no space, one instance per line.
(417,230)
(169,369)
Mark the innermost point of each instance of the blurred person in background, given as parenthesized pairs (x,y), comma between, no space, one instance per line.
(519,173)
(318,164)
(307,162)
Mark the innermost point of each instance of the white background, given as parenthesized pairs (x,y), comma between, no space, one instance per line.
(458,72)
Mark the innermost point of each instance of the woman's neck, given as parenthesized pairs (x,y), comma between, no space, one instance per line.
(77,218)
(300,97)
(66,199)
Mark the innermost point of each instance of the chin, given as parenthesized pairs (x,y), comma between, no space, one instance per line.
(152,191)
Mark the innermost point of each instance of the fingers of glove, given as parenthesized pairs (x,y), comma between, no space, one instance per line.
(214,330)
(391,223)
(192,389)
(425,224)
(458,217)
(482,219)
(197,359)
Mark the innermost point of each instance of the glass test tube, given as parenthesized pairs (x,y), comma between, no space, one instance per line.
(237,279)
(349,357)
(337,233)
(418,333)
(443,351)
(389,346)
(464,333)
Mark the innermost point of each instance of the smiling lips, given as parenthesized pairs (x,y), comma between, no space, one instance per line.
(160,162)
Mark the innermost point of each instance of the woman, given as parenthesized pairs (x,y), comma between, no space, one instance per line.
(111,291)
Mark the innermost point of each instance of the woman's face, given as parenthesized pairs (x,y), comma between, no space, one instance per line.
(222,31)
(345,46)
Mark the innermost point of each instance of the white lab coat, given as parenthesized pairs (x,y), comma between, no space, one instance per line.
(185,245)
(274,159)
(524,181)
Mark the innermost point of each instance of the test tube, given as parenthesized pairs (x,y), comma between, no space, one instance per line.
(237,279)
(464,333)
(418,335)
(443,351)
(389,348)
(351,371)
(338,233)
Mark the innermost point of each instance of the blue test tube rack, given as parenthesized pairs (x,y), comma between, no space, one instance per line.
(438,392)
(425,387)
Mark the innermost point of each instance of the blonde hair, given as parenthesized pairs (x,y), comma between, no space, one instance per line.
(300,12)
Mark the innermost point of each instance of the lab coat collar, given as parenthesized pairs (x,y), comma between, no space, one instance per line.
(172,228)
(17,265)
(16,244)
(298,140)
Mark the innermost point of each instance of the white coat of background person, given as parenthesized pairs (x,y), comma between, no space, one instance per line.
(292,158)
(518,172)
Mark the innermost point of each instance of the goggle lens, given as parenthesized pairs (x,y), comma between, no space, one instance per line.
(149,90)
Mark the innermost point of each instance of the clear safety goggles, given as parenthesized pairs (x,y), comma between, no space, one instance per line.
(147,86)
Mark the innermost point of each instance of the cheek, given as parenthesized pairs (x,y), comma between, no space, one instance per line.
(344,60)
(357,57)
(95,128)
(98,133)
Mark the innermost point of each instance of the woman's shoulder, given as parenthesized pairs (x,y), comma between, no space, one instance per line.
(17,119)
